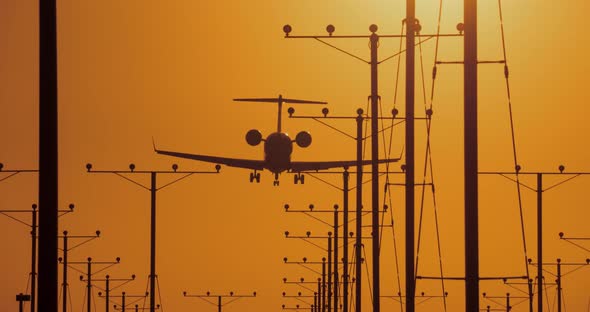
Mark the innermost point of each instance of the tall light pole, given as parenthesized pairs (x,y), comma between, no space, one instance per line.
(539,189)
(89,275)
(153,188)
(374,62)
(64,260)
(359,138)
(108,280)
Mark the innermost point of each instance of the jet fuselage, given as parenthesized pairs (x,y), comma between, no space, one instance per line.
(277,152)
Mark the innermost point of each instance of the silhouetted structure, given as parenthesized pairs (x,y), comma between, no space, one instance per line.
(48,159)
(34,237)
(233,297)
(277,150)
(153,189)
(64,260)
(108,287)
(539,190)
(89,275)
(471,157)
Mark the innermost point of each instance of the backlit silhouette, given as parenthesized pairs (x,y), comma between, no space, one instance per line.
(278,147)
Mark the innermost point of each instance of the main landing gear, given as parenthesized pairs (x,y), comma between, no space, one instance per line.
(299,177)
(255,176)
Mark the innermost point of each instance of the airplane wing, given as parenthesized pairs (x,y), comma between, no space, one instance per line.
(232,162)
(298,166)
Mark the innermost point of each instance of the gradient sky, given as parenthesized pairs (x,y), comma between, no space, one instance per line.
(133,70)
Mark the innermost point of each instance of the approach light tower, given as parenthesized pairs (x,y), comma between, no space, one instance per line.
(153,189)
(232,297)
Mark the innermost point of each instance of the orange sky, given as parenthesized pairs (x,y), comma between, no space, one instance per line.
(133,70)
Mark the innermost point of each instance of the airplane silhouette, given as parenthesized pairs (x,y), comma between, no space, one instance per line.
(278,147)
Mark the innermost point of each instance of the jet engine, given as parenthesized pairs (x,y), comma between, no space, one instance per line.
(253,137)
(303,139)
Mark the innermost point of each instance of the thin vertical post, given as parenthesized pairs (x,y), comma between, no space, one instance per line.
(409,176)
(508,308)
(336,230)
(48,157)
(89,285)
(319,305)
(315,302)
(323,284)
(108,292)
(218,303)
(123,302)
(359,220)
(153,190)
(329,299)
(540,242)
(471,158)
(530,295)
(34,258)
(65,274)
(375,168)
(558,285)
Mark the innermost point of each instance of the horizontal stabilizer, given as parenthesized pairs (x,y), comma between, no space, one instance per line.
(279,99)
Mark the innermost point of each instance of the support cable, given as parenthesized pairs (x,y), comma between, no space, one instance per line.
(368,273)
(428,122)
(514,151)
(387,190)
(159,294)
(352,272)
(84,300)
(70,296)
(428,163)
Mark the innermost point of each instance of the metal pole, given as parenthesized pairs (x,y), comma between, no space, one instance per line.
(108,291)
(336,229)
(540,242)
(409,176)
(508,308)
(48,157)
(319,305)
(153,244)
(359,220)
(558,285)
(530,295)
(123,302)
(34,258)
(471,159)
(329,302)
(65,274)
(89,284)
(219,304)
(323,284)
(375,167)
(315,302)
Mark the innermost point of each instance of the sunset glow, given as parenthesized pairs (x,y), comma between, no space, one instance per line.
(135,73)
